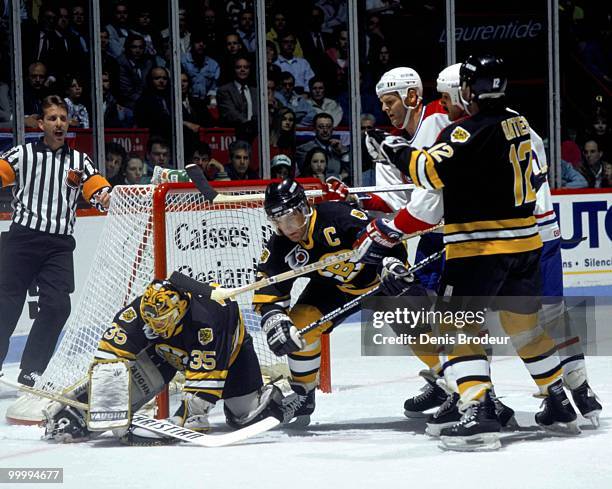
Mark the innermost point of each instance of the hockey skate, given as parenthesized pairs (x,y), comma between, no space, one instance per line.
(557,416)
(505,414)
(447,415)
(587,403)
(297,412)
(478,429)
(584,398)
(432,396)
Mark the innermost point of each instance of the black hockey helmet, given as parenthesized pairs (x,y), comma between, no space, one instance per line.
(284,197)
(485,76)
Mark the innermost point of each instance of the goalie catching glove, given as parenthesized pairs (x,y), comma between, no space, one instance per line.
(376,241)
(388,149)
(282,335)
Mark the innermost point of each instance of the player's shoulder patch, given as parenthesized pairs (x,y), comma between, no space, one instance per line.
(459,135)
(265,254)
(205,335)
(128,315)
(359,214)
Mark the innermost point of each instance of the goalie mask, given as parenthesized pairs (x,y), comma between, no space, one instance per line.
(162,307)
(287,208)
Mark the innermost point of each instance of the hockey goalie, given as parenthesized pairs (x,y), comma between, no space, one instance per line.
(174,326)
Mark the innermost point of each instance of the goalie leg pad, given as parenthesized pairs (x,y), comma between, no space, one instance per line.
(109,395)
(146,380)
(271,400)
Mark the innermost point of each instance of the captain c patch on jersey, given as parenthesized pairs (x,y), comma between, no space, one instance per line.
(459,135)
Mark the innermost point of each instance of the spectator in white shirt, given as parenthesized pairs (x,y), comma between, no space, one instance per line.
(298,67)
(320,103)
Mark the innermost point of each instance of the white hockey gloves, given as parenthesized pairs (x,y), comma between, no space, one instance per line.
(283,337)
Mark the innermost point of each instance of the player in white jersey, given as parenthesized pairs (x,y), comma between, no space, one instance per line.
(400,91)
(568,343)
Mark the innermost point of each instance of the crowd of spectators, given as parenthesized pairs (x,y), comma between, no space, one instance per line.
(307,47)
(586,148)
(307,64)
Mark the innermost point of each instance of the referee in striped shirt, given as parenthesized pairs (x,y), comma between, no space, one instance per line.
(47,177)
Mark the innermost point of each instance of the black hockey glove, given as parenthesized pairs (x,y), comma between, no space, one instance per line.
(396,280)
(283,337)
(67,425)
(388,149)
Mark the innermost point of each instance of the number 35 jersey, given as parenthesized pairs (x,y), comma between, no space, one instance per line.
(332,229)
(204,345)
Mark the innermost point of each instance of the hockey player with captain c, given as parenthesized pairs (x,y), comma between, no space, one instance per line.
(175,326)
(491,250)
(305,234)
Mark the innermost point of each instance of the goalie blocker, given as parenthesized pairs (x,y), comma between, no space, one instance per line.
(174,326)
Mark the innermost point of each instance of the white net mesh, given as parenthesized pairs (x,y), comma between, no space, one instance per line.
(220,243)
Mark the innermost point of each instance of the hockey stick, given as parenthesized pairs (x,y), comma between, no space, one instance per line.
(160,426)
(356,302)
(220,293)
(44,394)
(210,194)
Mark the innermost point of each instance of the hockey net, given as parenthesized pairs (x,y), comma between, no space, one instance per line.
(149,232)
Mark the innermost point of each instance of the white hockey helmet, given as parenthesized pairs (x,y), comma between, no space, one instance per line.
(448,82)
(399,80)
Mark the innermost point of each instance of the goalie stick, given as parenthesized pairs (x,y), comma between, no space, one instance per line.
(201,183)
(356,302)
(163,427)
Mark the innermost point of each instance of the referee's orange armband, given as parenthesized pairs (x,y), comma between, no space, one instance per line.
(93,184)
(7,174)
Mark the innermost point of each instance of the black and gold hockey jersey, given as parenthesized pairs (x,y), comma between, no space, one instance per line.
(332,229)
(483,164)
(204,346)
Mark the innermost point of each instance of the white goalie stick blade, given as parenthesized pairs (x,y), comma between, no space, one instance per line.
(44,394)
(109,395)
(168,429)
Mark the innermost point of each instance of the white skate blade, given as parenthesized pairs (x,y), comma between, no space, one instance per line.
(415,414)
(434,429)
(593,417)
(297,423)
(562,429)
(481,442)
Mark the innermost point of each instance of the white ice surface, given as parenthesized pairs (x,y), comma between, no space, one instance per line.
(359,439)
